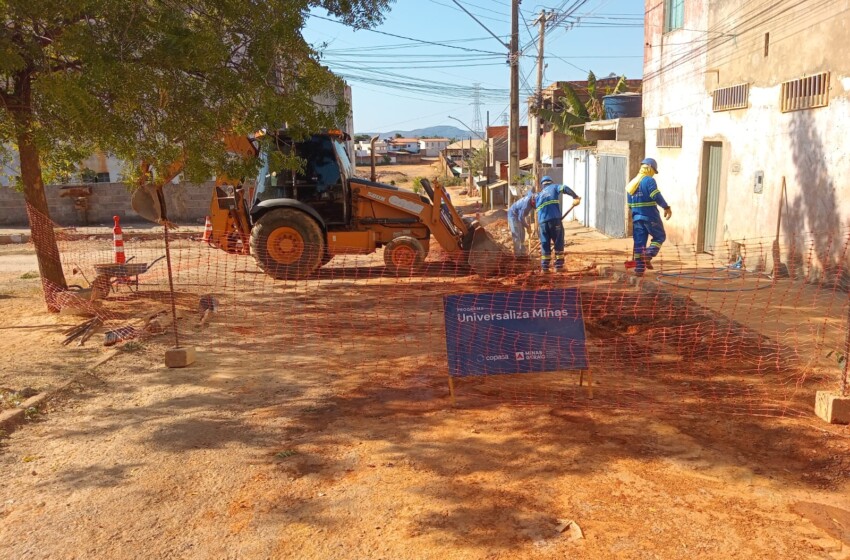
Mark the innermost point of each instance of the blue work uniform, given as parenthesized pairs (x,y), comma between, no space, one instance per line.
(517,220)
(646,222)
(551,228)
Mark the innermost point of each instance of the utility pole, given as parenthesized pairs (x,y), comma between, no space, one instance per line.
(513,149)
(538,132)
(471,180)
(487,149)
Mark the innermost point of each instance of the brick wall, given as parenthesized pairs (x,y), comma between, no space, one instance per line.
(186,203)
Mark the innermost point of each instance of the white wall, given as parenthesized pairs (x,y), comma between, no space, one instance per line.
(580,175)
(810,148)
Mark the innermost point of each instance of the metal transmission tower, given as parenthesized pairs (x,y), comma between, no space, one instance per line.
(504,119)
(477,125)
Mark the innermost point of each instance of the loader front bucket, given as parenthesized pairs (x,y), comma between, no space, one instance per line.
(486,257)
(146,204)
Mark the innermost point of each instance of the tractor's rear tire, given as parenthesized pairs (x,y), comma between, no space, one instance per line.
(404,256)
(288,244)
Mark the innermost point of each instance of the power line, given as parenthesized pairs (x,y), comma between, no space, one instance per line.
(470,14)
(423,41)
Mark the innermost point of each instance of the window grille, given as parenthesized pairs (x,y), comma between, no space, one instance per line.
(670,137)
(805,93)
(732,97)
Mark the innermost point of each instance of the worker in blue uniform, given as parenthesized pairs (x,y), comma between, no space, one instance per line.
(518,215)
(550,221)
(644,200)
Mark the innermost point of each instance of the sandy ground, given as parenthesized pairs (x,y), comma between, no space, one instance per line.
(401,175)
(317,424)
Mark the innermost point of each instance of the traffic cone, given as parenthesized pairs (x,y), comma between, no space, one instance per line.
(118,241)
(207,231)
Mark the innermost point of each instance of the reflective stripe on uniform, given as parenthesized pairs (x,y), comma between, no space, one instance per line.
(545,257)
(655,244)
(641,204)
(545,204)
(653,193)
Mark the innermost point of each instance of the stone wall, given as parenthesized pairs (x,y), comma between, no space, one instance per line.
(186,203)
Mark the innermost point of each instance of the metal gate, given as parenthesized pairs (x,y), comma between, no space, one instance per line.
(611,196)
(712,195)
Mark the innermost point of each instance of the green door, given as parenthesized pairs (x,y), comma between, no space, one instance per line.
(711,195)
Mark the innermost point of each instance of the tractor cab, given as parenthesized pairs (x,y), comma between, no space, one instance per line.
(320,182)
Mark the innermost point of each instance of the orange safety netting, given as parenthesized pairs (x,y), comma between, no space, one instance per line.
(700,333)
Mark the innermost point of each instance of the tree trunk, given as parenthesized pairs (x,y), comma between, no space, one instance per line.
(43,234)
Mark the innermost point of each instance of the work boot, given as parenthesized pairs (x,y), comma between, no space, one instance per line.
(648,262)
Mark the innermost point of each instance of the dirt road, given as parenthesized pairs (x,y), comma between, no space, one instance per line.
(317,424)
(11,263)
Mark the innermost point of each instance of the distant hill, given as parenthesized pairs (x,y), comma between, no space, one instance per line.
(443,131)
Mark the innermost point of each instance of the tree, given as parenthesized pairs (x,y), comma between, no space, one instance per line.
(155,81)
(477,160)
(362,137)
(397,135)
(573,112)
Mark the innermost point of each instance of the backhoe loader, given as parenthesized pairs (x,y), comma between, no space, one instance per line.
(297,221)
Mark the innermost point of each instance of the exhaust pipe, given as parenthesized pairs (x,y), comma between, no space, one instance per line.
(374,176)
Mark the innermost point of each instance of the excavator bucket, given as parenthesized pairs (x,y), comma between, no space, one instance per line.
(146,204)
(486,257)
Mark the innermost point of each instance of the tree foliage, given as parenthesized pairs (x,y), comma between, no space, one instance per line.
(158,80)
(155,80)
(574,112)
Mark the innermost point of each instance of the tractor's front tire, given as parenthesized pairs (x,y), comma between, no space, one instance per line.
(288,244)
(404,256)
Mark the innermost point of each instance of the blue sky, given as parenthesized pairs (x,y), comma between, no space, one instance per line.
(402,84)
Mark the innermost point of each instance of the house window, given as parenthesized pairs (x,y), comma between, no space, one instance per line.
(805,93)
(670,137)
(674,15)
(731,97)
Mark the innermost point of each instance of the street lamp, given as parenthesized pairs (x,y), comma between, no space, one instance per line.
(466,127)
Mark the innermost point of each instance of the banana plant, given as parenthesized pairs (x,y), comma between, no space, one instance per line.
(575,112)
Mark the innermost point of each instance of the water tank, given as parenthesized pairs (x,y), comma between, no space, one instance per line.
(622,105)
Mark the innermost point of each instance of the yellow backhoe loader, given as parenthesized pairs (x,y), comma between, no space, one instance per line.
(297,221)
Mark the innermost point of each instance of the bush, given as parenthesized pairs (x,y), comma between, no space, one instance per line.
(417,184)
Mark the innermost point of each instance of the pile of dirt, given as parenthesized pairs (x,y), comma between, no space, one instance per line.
(500,231)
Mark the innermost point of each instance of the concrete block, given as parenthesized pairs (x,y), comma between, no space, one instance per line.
(832,407)
(180,357)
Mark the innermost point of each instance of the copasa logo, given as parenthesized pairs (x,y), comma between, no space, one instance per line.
(481,358)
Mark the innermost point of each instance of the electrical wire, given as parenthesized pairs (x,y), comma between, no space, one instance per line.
(423,41)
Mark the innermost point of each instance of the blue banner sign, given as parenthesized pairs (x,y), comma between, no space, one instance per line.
(515,332)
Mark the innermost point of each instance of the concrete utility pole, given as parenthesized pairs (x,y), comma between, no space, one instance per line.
(513,150)
(487,150)
(538,132)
